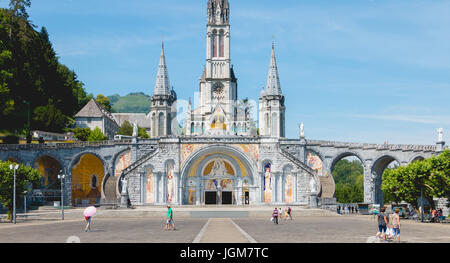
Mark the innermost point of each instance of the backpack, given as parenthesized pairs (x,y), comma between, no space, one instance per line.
(381,219)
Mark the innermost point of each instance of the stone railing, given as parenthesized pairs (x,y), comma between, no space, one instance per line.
(139,162)
(294,159)
(234,140)
(368,146)
(46,146)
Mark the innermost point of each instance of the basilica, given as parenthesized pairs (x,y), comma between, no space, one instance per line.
(222,158)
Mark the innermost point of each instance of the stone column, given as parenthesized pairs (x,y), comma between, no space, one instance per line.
(369,187)
(197,192)
(294,187)
(239,193)
(67,183)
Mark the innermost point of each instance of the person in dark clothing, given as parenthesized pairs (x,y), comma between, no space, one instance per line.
(275,216)
(382,224)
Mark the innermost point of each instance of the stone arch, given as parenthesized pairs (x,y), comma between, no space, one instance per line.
(379,166)
(191,182)
(343,155)
(110,189)
(49,167)
(417,158)
(14,159)
(339,157)
(82,168)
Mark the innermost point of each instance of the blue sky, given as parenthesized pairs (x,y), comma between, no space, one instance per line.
(361,71)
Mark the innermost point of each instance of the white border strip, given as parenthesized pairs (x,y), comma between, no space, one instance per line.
(251,239)
(200,234)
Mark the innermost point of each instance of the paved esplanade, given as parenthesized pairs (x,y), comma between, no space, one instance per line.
(243,226)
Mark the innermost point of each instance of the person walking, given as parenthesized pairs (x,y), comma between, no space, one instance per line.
(169,218)
(396,224)
(382,224)
(88,219)
(289,211)
(281,213)
(275,216)
(286,214)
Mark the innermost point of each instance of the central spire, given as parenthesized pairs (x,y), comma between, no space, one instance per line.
(162,86)
(218,12)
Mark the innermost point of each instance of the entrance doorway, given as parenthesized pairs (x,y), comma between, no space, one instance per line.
(247,198)
(227,198)
(210,198)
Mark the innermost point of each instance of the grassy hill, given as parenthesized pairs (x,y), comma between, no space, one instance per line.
(131,103)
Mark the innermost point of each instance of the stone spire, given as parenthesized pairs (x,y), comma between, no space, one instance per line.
(273,86)
(218,12)
(162,86)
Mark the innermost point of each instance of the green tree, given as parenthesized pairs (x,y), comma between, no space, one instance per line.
(30,71)
(104,102)
(126,129)
(19,7)
(82,134)
(431,175)
(49,118)
(97,135)
(24,176)
(142,133)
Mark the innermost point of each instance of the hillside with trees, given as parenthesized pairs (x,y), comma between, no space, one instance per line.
(37,92)
(131,103)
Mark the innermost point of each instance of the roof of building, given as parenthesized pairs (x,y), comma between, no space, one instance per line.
(141,119)
(94,110)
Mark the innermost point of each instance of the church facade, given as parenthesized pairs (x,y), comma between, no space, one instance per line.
(220,160)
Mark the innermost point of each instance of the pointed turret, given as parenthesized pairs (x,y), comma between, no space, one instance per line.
(162,86)
(273,86)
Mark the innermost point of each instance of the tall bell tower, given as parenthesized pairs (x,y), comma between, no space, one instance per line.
(218,84)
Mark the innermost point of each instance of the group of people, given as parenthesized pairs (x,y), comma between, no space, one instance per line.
(436,215)
(389,225)
(280,213)
(169,220)
(347,209)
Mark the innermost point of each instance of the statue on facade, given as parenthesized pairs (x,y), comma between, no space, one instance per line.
(313,185)
(124,186)
(302,131)
(135,130)
(440,135)
(219,168)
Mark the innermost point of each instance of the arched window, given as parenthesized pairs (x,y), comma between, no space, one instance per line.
(154,125)
(221,44)
(274,124)
(214,44)
(161,124)
(192,128)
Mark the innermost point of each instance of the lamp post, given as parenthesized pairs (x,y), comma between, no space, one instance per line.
(61,176)
(25,201)
(421,203)
(14,168)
